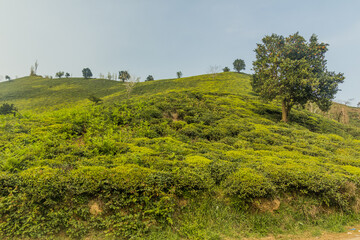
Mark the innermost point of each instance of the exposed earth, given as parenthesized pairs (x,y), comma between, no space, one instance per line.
(351,234)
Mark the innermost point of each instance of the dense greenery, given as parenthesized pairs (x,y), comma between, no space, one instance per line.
(294,71)
(149,78)
(59,74)
(184,158)
(124,76)
(87,73)
(179,74)
(8,109)
(226,69)
(239,65)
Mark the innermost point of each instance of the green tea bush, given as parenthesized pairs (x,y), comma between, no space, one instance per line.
(178,125)
(190,181)
(42,184)
(220,170)
(197,161)
(191,131)
(246,184)
(149,113)
(214,134)
(89,180)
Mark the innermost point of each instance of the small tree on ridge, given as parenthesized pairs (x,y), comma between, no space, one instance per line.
(87,73)
(179,74)
(239,65)
(59,74)
(149,78)
(124,76)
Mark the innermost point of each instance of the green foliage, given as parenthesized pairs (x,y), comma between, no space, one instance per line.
(246,184)
(226,69)
(294,72)
(124,76)
(179,74)
(149,78)
(59,74)
(239,65)
(95,99)
(173,156)
(8,109)
(87,73)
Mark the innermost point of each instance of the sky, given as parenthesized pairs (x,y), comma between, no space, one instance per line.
(162,37)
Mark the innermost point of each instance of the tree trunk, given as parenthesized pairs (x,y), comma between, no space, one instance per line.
(285,111)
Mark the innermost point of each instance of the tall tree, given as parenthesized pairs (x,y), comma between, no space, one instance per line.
(36,65)
(239,65)
(214,70)
(149,78)
(87,73)
(130,84)
(179,74)
(294,71)
(124,76)
(59,74)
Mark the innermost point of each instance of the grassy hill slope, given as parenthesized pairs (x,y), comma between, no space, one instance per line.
(196,158)
(44,94)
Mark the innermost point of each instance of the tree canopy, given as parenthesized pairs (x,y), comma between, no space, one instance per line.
(59,74)
(226,69)
(179,74)
(87,73)
(294,71)
(124,75)
(149,78)
(239,65)
(7,108)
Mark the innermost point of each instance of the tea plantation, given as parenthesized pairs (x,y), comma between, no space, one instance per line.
(190,158)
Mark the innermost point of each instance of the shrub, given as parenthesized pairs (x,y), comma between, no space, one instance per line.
(191,131)
(95,99)
(149,113)
(89,180)
(8,109)
(220,170)
(190,181)
(197,161)
(43,184)
(246,184)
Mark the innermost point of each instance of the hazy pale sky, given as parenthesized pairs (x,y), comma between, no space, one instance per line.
(161,37)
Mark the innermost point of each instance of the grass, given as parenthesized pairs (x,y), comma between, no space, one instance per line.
(43,94)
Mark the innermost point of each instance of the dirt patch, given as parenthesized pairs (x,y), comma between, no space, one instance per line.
(183,202)
(356,205)
(349,235)
(95,207)
(266,205)
(173,116)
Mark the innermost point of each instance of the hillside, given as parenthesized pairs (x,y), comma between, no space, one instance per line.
(44,94)
(192,158)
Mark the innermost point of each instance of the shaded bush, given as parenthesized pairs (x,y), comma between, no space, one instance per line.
(246,184)
(8,109)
